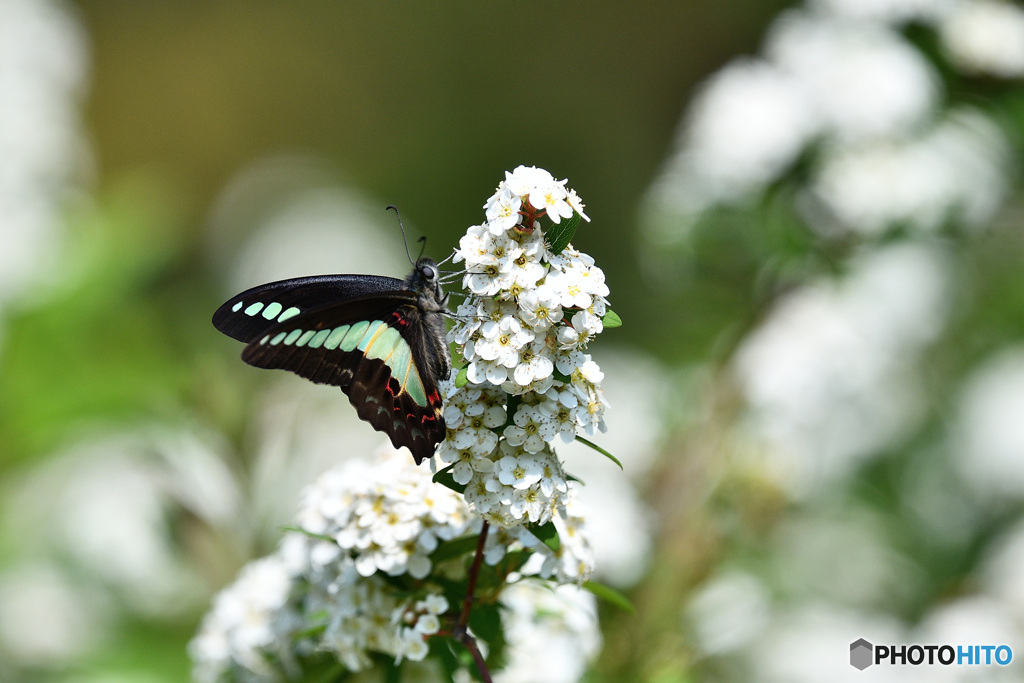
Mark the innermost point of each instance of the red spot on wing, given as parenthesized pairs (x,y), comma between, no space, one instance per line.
(398,320)
(393,387)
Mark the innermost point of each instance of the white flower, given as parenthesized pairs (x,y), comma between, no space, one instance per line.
(552,199)
(532,429)
(539,307)
(577,204)
(985,36)
(578,334)
(569,288)
(519,472)
(526,179)
(508,337)
(534,363)
(502,211)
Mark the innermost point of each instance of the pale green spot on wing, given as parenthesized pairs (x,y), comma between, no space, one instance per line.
(292,336)
(254,308)
(288,314)
(318,339)
(237,307)
(264,340)
(278,339)
(335,337)
(354,336)
(305,338)
(272,310)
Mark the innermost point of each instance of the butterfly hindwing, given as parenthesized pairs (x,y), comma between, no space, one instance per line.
(253,313)
(379,349)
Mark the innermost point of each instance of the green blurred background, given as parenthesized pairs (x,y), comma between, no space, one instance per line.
(186,130)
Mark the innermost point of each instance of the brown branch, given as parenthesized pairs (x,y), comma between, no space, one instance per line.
(460,632)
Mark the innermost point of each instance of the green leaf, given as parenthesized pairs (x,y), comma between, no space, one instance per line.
(511,407)
(600,450)
(485,620)
(300,530)
(561,376)
(444,478)
(454,548)
(611,319)
(560,234)
(546,534)
(610,595)
(462,379)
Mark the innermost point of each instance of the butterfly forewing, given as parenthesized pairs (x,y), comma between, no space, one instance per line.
(373,347)
(255,312)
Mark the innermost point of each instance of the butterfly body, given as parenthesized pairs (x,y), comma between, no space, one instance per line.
(382,340)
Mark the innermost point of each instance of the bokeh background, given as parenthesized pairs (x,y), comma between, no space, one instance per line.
(810,215)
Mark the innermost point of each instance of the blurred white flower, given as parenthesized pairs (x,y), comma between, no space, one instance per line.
(811,643)
(263,222)
(46,619)
(985,37)
(746,125)
(862,81)
(552,635)
(45,63)
(885,11)
(988,433)
(1000,572)
(106,504)
(958,169)
(248,621)
(830,375)
(729,612)
(969,620)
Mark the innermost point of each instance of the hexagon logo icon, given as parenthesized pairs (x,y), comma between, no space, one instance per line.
(860,654)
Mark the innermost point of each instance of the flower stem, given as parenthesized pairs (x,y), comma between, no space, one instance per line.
(461,632)
(474,571)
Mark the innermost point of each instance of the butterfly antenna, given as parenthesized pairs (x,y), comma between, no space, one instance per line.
(423,241)
(404,238)
(450,257)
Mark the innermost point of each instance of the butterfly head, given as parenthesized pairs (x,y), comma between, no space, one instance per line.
(425,281)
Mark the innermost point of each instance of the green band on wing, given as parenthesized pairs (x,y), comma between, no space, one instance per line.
(370,334)
(414,387)
(253,309)
(318,339)
(305,337)
(335,337)
(354,336)
(292,336)
(383,343)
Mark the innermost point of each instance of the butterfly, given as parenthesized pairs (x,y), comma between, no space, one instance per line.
(381,339)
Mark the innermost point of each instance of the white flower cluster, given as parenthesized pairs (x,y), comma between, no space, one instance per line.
(383,516)
(551,634)
(523,332)
(328,589)
(248,626)
(840,88)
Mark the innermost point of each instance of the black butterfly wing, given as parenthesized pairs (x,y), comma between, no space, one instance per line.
(255,312)
(378,349)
